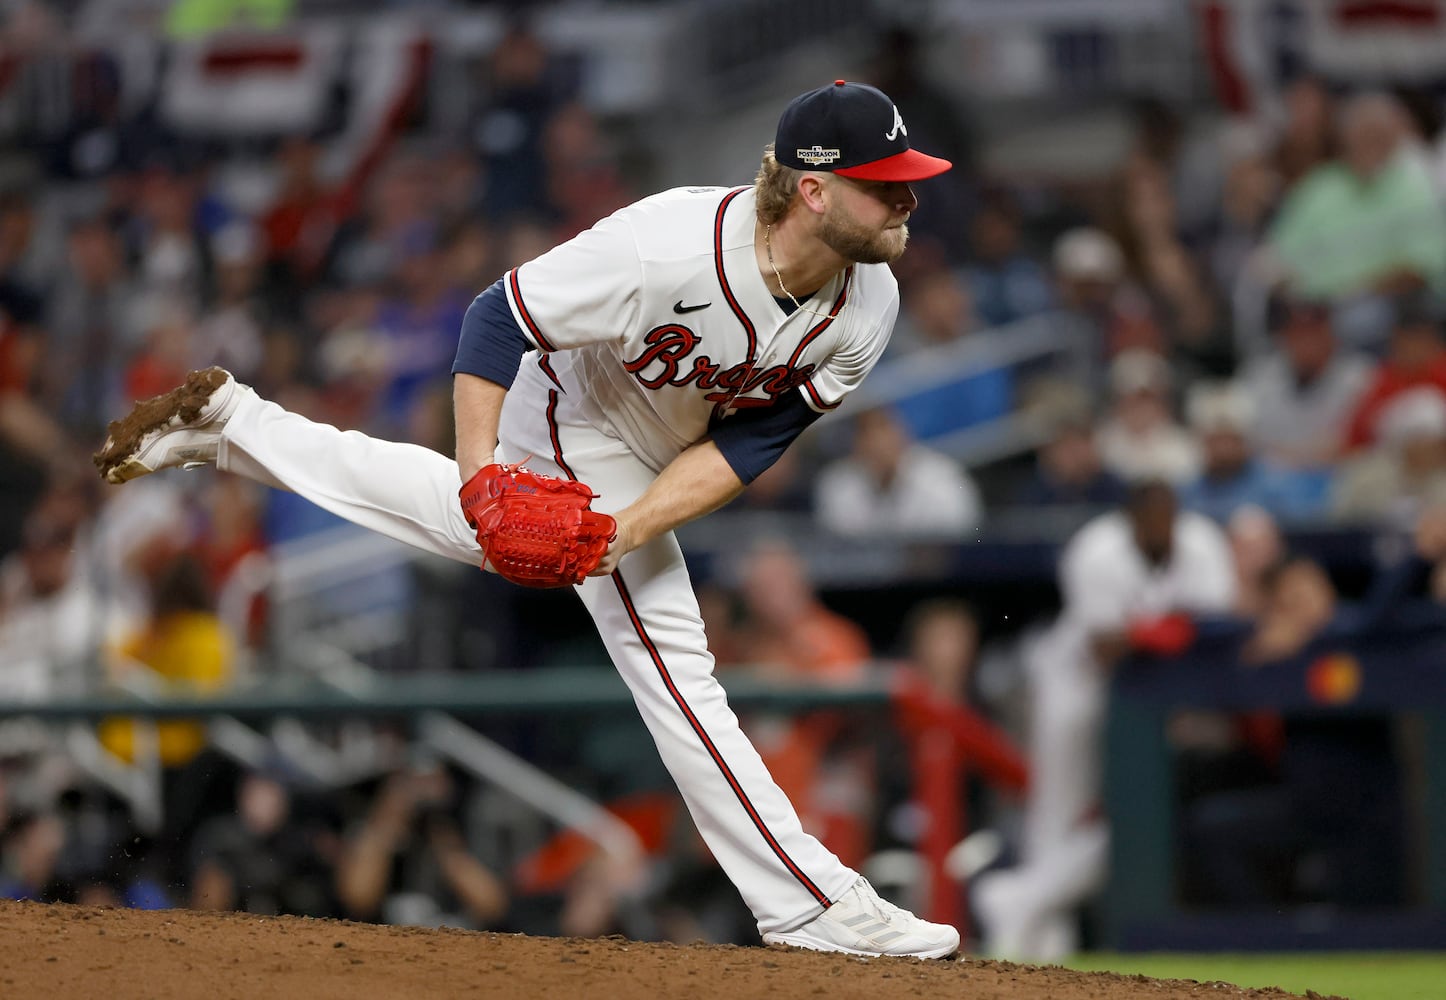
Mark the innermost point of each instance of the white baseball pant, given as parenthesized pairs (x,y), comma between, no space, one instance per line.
(1028,912)
(646,612)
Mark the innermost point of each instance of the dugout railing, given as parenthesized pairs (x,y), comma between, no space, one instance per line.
(1397,672)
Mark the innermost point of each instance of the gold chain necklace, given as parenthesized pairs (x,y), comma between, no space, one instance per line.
(768,247)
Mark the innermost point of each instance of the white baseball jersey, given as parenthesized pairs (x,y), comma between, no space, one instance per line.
(1106,581)
(672,327)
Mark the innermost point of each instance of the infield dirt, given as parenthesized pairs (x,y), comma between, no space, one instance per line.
(74,951)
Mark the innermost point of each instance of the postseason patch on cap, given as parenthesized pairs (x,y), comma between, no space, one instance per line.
(816,155)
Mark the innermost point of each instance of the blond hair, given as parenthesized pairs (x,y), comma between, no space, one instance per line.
(775,187)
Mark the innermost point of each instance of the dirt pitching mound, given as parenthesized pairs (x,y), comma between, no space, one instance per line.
(57,952)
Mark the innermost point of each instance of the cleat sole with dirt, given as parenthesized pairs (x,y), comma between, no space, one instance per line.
(118,459)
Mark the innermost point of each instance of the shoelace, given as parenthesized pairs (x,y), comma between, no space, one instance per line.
(887,911)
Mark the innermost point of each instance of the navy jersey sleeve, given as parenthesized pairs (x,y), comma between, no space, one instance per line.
(751,440)
(491,344)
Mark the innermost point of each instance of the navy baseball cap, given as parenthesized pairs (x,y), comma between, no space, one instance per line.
(853,130)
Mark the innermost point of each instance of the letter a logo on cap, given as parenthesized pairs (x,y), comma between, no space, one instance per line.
(893,133)
(853,130)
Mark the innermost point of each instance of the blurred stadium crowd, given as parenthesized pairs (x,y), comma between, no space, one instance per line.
(1247,308)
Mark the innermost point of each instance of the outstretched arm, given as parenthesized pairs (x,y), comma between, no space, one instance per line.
(709,474)
(696,482)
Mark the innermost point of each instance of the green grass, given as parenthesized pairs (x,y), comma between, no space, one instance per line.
(1359,975)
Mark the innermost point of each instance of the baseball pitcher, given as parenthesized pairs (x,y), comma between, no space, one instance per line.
(646,371)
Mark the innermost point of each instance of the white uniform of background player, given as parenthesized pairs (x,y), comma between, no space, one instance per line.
(1107,583)
(648,334)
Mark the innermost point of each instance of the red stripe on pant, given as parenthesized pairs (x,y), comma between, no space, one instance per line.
(707,742)
(552,431)
(546,367)
(677,695)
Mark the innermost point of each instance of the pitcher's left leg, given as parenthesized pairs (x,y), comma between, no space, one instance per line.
(648,619)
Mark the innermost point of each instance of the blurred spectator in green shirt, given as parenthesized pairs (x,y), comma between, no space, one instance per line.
(1367,222)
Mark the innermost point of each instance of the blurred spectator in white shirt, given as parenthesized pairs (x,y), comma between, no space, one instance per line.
(53,616)
(1406,471)
(1304,391)
(1415,357)
(1140,435)
(170,257)
(890,485)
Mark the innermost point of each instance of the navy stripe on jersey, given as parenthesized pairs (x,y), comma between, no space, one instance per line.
(723,277)
(532,327)
(751,440)
(491,344)
(826,322)
(708,745)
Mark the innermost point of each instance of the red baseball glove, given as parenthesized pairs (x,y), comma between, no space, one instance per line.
(536,530)
(1166,635)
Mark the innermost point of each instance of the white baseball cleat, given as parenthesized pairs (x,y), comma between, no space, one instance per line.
(181,427)
(860,922)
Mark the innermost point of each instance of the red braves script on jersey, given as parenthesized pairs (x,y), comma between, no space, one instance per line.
(614,295)
(669,346)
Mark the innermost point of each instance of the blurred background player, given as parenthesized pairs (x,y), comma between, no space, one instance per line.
(1129,579)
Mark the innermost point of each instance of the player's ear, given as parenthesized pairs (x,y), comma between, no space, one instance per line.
(812,188)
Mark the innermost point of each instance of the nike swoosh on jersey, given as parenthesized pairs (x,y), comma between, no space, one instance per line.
(680,309)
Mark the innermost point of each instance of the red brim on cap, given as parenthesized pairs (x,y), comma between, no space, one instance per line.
(910,165)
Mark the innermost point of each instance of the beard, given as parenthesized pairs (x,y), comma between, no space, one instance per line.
(852,240)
